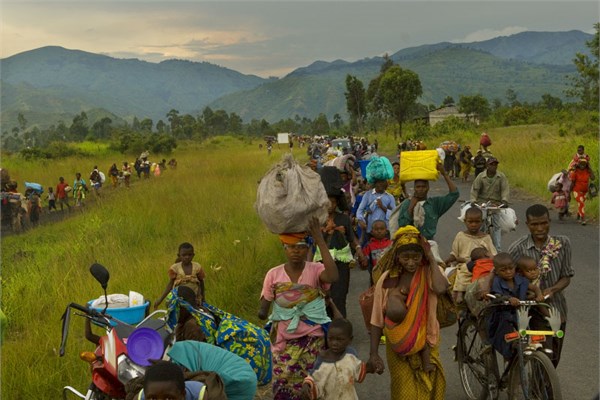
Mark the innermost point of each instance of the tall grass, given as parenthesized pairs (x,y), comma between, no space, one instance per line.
(208,201)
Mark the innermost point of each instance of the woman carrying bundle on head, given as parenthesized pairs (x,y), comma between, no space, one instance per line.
(295,290)
(404,310)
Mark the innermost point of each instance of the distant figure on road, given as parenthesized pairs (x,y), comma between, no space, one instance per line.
(79,190)
(581,176)
(492,187)
(62,194)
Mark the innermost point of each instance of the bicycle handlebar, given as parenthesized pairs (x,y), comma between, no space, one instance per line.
(501,301)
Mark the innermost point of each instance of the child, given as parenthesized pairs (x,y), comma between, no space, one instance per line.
(560,200)
(186,273)
(396,312)
(51,200)
(463,245)
(165,380)
(480,266)
(337,367)
(527,266)
(503,320)
(378,243)
(481,263)
(34,206)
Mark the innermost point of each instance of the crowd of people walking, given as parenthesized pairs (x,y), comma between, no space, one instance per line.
(25,210)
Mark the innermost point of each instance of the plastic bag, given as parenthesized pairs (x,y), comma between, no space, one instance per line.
(553,181)
(289,195)
(379,168)
(592,190)
(507,220)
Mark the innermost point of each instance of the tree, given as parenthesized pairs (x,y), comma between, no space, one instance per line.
(160,126)
(399,90)
(337,121)
(320,125)
(448,101)
(102,129)
(585,85)
(550,102)
(474,105)
(79,127)
(373,94)
(511,96)
(173,118)
(235,123)
(355,102)
(146,125)
(22,122)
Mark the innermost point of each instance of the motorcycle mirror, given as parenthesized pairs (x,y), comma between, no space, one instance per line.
(101,274)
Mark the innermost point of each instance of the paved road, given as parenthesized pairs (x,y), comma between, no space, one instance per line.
(578,370)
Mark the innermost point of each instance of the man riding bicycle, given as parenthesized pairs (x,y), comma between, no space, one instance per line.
(491,186)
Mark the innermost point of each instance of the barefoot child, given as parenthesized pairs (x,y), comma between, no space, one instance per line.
(560,200)
(337,367)
(185,272)
(463,245)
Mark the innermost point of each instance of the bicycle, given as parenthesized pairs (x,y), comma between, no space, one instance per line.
(529,374)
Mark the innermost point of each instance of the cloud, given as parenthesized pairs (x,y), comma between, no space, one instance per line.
(486,34)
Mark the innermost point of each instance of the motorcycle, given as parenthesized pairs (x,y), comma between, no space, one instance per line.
(123,353)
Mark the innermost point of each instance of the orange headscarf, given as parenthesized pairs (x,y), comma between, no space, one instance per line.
(292,238)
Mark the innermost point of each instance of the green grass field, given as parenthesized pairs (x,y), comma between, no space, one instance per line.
(208,201)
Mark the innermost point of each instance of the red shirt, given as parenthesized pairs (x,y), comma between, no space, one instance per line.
(482,267)
(580,179)
(60,190)
(374,249)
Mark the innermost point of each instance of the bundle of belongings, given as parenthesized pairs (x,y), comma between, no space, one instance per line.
(289,195)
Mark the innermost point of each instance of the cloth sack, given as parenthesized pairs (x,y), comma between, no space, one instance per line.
(553,181)
(485,140)
(289,195)
(447,311)
(507,220)
(365,300)
(393,221)
(378,169)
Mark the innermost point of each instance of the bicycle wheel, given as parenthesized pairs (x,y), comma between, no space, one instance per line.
(540,377)
(471,363)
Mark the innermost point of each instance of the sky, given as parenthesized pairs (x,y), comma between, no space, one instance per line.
(272,38)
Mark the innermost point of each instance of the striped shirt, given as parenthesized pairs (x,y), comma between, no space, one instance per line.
(560,266)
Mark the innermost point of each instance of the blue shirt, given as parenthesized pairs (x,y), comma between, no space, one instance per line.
(499,286)
(369,211)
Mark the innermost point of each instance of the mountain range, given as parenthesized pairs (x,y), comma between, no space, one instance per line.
(52,83)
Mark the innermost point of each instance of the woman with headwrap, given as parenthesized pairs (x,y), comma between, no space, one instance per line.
(295,289)
(408,271)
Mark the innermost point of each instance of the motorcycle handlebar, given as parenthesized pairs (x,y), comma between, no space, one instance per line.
(89,312)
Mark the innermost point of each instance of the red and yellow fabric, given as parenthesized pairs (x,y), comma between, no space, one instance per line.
(409,336)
